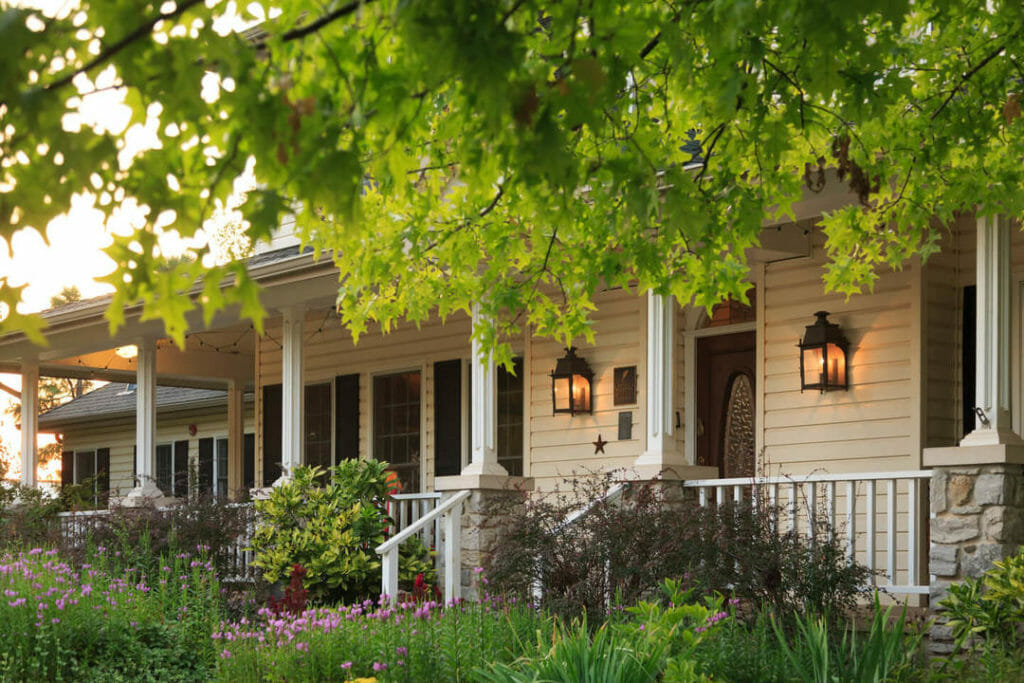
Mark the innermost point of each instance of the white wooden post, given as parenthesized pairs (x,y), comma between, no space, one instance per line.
(145,424)
(29,421)
(292,391)
(912,513)
(451,523)
(993,376)
(236,439)
(389,574)
(660,446)
(483,411)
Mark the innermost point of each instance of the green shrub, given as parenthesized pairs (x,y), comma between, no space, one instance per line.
(626,547)
(987,612)
(331,527)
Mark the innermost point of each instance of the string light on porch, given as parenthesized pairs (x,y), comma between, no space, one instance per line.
(571,384)
(823,352)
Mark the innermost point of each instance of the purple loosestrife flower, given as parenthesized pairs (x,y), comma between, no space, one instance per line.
(401,651)
(379,666)
(225,654)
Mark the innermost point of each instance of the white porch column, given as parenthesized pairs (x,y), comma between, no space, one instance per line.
(29,421)
(145,423)
(292,391)
(662,455)
(992,392)
(659,438)
(236,439)
(483,412)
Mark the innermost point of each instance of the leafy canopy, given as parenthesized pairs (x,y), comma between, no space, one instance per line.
(518,153)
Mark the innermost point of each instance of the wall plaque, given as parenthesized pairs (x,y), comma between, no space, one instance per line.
(625,385)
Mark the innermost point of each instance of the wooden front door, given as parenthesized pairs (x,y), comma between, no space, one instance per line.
(725,403)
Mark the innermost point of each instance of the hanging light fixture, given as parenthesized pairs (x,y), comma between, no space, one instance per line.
(823,353)
(571,384)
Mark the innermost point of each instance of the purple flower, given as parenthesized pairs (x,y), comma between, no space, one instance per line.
(346,665)
(379,666)
(401,651)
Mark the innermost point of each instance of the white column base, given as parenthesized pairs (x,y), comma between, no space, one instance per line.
(988,436)
(145,494)
(644,471)
(483,482)
(484,468)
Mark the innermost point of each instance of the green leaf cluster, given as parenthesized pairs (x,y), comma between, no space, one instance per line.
(519,154)
(989,609)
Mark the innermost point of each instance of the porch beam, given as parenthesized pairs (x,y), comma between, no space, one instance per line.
(292,390)
(29,421)
(992,383)
(483,411)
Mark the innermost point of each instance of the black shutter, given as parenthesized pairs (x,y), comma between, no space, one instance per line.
(180,468)
(67,468)
(271,433)
(206,466)
(346,417)
(135,466)
(249,461)
(968,359)
(447,418)
(102,476)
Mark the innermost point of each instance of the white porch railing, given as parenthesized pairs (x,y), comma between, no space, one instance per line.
(902,563)
(405,508)
(446,521)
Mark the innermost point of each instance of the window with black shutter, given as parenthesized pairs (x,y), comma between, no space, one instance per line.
(206,466)
(396,425)
(448,418)
(271,433)
(317,424)
(346,417)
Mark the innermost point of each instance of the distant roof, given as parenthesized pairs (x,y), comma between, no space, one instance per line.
(119,400)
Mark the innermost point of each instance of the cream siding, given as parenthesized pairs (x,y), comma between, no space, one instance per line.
(562,446)
(873,425)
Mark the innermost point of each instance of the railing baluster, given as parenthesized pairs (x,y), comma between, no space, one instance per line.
(719,494)
(891,525)
(773,501)
(851,520)
(830,508)
(870,517)
(912,532)
(812,511)
(737,493)
(452,522)
(702,496)
(793,523)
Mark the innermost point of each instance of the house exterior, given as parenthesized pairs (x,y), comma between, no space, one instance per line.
(919,456)
(98,441)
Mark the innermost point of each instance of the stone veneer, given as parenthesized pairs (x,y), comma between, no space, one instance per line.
(483,523)
(977,517)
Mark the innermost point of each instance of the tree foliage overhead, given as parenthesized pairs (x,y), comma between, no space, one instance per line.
(518,153)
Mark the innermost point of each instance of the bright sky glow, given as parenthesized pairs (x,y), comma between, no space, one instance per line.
(73,254)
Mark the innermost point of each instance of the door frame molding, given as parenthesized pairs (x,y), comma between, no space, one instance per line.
(691,333)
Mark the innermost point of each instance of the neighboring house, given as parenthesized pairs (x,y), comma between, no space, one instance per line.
(932,390)
(98,431)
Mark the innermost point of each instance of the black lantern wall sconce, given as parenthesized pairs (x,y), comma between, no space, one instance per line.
(823,352)
(571,382)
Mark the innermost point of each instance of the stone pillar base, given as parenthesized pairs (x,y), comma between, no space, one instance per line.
(977,517)
(483,518)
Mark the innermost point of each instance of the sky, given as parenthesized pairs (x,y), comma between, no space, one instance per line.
(71,253)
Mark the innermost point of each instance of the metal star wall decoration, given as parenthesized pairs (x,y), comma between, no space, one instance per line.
(599,444)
